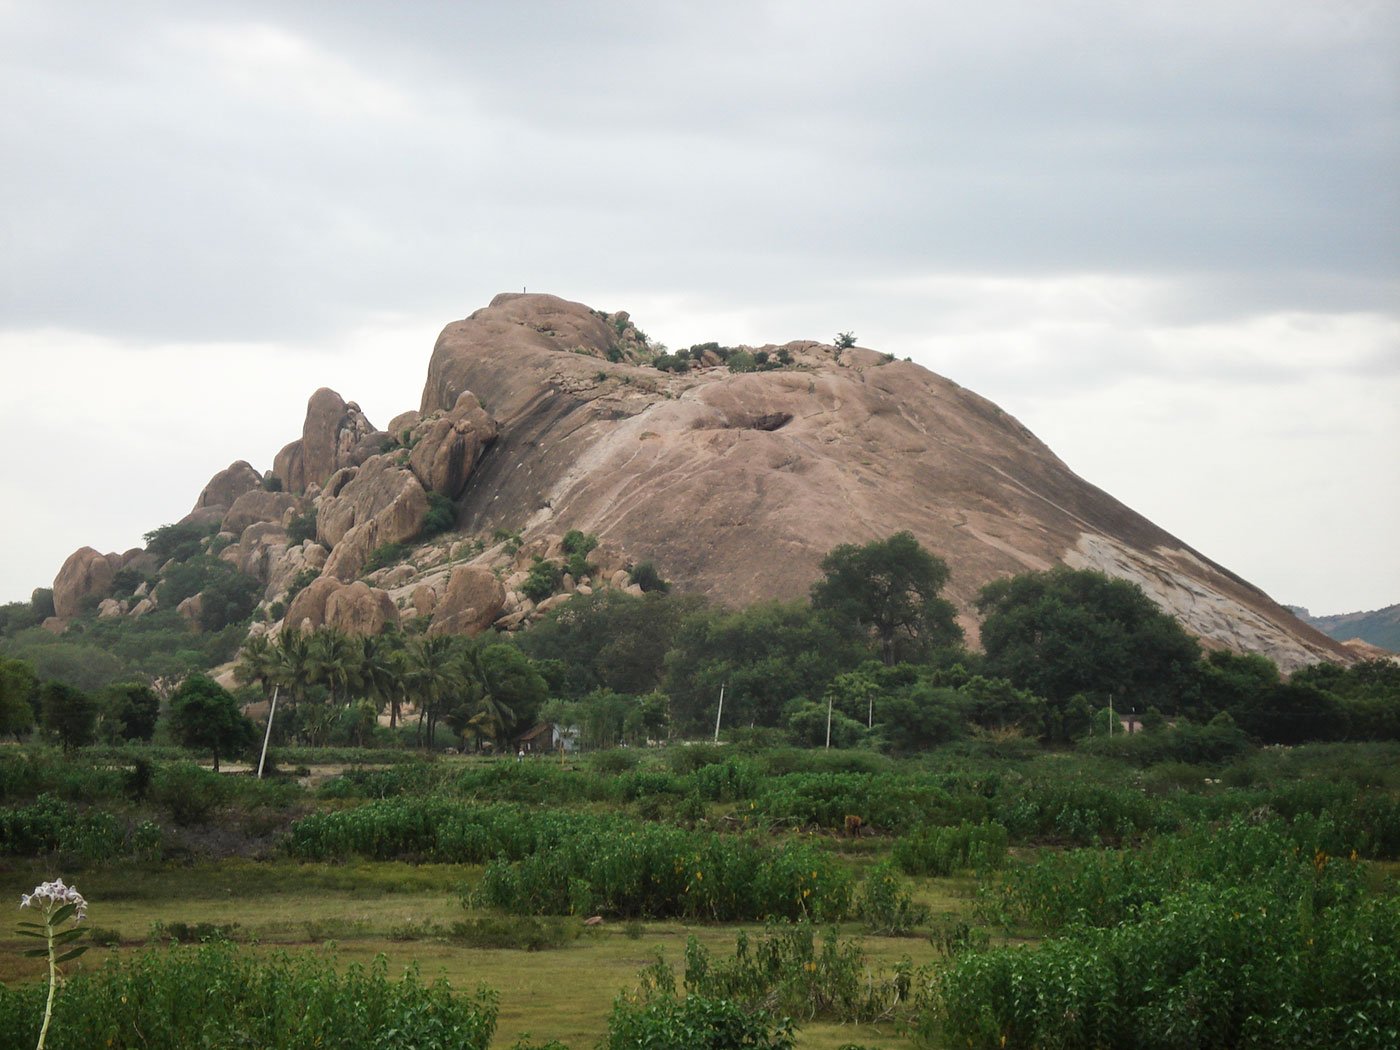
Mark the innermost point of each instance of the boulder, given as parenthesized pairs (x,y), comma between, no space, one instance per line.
(211,515)
(289,563)
(256,506)
(258,549)
(84,574)
(449,445)
(403,423)
(424,599)
(109,608)
(308,608)
(335,434)
(228,484)
(142,607)
(359,609)
(380,503)
(470,603)
(191,609)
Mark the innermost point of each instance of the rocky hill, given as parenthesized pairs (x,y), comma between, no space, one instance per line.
(734,476)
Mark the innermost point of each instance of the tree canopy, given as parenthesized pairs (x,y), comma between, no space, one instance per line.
(1071,631)
(889,589)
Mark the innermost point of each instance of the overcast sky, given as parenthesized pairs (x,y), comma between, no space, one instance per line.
(1164,236)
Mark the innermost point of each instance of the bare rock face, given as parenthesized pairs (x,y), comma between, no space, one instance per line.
(359,609)
(335,434)
(191,609)
(354,608)
(290,563)
(403,423)
(110,608)
(736,485)
(449,445)
(228,484)
(364,508)
(308,608)
(470,603)
(259,547)
(258,506)
(84,574)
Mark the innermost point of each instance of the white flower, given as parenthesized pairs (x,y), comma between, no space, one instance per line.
(53,895)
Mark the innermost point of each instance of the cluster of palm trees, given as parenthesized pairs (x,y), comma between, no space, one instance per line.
(481,691)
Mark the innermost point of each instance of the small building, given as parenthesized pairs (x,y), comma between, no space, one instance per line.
(547,737)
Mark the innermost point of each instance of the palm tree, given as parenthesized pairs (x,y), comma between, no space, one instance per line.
(258,664)
(331,662)
(379,672)
(433,675)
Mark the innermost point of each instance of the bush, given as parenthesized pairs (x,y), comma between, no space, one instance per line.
(218,998)
(383,555)
(441,516)
(302,527)
(543,580)
(885,905)
(529,933)
(693,1023)
(942,851)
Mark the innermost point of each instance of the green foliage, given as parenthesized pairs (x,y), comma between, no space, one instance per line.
(205,716)
(1068,632)
(885,905)
(671,363)
(943,851)
(741,361)
(179,542)
(51,826)
(134,708)
(68,713)
(248,1000)
(441,516)
(1215,965)
(529,933)
(41,603)
(664,1022)
(544,578)
(765,656)
(889,588)
(844,340)
(789,971)
(300,582)
(645,575)
(384,555)
(302,527)
(228,599)
(19,696)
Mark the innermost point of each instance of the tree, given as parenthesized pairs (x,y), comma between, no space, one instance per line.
(765,656)
(68,713)
(19,693)
(205,716)
(889,590)
(433,675)
(844,340)
(134,708)
(1070,631)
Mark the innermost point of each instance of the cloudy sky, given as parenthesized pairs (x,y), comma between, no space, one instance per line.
(1164,236)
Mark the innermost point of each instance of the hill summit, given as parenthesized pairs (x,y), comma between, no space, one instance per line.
(733,470)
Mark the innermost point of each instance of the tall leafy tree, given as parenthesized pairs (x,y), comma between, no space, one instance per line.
(69,713)
(134,707)
(19,694)
(205,716)
(434,677)
(1071,631)
(889,590)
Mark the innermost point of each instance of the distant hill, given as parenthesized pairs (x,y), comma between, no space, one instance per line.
(1380,627)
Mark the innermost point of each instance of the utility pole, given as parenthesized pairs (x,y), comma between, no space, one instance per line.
(271,711)
(720,712)
(828,719)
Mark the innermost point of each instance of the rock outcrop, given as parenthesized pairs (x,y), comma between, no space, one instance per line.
(470,603)
(85,574)
(258,506)
(335,435)
(737,484)
(354,608)
(227,485)
(447,446)
(365,507)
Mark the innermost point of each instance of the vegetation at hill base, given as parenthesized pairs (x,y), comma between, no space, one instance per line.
(983,856)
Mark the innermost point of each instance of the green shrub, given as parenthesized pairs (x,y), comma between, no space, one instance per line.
(885,905)
(944,850)
(441,516)
(692,1023)
(302,527)
(543,580)
(218,998)
(384,555)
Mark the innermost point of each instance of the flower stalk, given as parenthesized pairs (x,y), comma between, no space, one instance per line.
(61,905)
